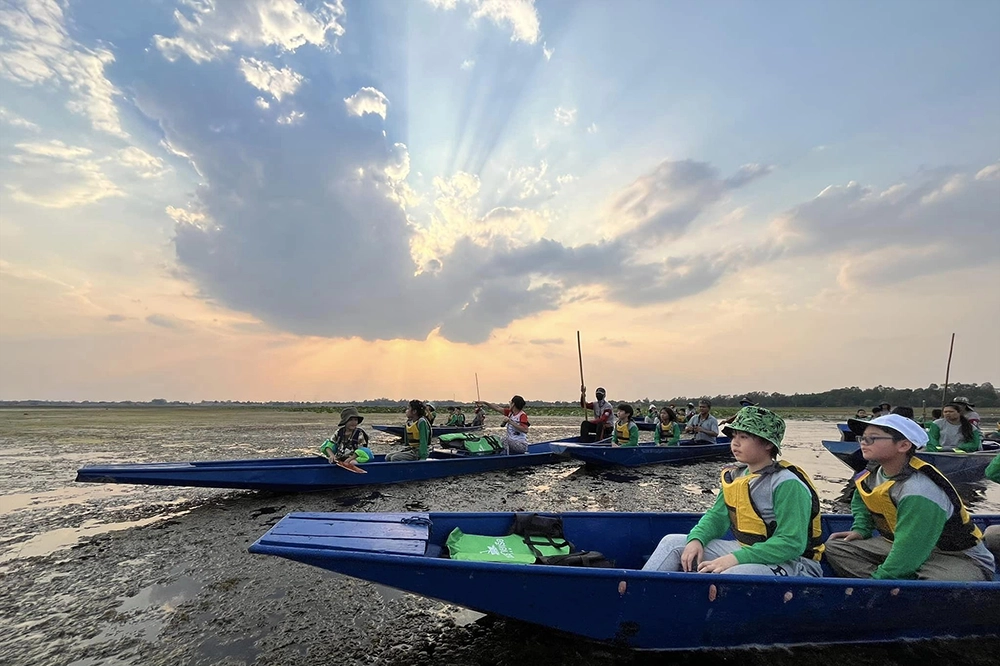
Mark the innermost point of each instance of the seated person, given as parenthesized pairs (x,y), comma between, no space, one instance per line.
(429,413)
(953,432)
(626,432)
(861,414)
(349,446)
(515,440)
(602,421)
(416,436)
(991,536)
(456,418)
(925,531)
(771,507)
(744,402)
(703,426)
(651,414)
(479,417)
(668,430)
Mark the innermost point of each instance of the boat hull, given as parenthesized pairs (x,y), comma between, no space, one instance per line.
(638,456)
(644,610)
(309,473)
(958,467)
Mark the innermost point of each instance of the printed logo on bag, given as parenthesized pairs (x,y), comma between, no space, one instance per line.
(500,548)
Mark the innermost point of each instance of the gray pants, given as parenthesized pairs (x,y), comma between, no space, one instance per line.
(991,537)
(667,557)
(512,446)
(403,456)
(860,558)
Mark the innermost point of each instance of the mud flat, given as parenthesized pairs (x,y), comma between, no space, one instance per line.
(164,576)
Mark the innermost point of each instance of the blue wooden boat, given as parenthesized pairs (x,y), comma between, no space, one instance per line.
(644,454)
(436,431)
(627,606)
(958,467)
(846,434)
(308,473)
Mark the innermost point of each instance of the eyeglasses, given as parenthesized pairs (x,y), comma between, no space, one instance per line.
(871,440)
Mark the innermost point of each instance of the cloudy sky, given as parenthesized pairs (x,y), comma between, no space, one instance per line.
(342,199)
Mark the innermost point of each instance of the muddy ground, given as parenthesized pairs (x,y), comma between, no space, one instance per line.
(183,589)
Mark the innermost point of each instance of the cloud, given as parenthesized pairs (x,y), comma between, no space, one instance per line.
(367,100)
(592,128)
(55,175)
(37,50)
(565,116)
(546,341)
(667,200)
(520,15)
(146,165)
(213,27)
(262,103)
(942,206)
(265,76)
(165,321)
(115,318)
(10,118)
(291,118)
(468,64)
(547,52)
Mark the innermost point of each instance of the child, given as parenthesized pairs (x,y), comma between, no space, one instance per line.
(668,430)
(515,440)
(626,432)
(457,418)
(349,446)
(925,530)
(771,507)
(416,437)
(953,432)
(991,537)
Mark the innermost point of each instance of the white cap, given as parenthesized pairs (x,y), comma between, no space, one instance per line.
(909,428)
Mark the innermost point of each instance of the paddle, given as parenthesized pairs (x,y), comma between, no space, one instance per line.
(351,466)
(579,353)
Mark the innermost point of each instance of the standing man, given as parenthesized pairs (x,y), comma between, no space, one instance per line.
(602,421)
(703,425)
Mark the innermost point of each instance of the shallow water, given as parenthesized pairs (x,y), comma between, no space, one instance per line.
(120,574)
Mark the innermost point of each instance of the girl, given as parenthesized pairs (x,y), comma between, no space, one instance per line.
(668,430)
(515,440)
(349,445)
(953,432)
(416,437)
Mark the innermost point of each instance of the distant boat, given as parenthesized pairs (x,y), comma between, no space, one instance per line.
(644,454)
(308,473)
(958,467)
(624,605)
(436,431)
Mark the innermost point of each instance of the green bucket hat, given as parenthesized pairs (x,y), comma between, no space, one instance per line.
(758,421)
(348,413)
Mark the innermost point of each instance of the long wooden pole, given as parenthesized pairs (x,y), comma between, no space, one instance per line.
(579,353)
(947,373)
(478,399)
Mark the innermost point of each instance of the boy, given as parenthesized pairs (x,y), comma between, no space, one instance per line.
(626,432)
(771,507)
(926,532)
(349,446)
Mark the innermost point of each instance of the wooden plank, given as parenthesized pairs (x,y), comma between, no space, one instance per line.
(394,546)
(337,528)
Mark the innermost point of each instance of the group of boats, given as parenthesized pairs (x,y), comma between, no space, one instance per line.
(630,607)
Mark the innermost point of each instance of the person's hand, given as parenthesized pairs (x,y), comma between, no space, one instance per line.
(691,557)
(847,536)
(718,565)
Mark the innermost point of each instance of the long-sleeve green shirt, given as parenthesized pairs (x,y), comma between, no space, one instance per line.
(993,469)
(675,437)
(792,508)
(934,440)
(633,435)
(424,428)
(919,522)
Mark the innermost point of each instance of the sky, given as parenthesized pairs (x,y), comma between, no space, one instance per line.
(340,200)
